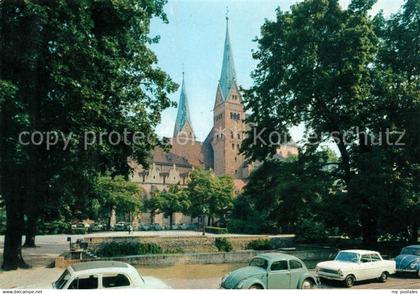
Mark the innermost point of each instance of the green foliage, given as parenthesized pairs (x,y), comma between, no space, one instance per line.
(281,193)
(2,221)
(351,79)
(310,230)
(115,193)
(216,230)
(172,201)
(59,226)
(223,244)
(153,204)
(79,231)
(75,68)
(210,194)
(177,250)
(116,249)
(259,244)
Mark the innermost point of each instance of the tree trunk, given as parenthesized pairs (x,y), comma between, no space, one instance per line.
(30,231)
(208,220)
(170,220)
(369,228)
(12,254)
(152,217)
(414,233)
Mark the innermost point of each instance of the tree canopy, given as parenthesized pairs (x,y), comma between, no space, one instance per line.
(352,80)
(73,73)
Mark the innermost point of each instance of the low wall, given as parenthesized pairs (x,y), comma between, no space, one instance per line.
(194,244)
(207,258)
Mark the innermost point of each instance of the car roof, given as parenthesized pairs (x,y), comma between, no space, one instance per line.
(98,266)
(276,255)
(360,251)
(413,246)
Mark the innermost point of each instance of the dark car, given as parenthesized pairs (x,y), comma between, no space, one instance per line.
(409,260)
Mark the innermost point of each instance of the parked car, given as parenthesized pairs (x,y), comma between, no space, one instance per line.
(271,271)
(155,227)
(79,228)
(143,227)
(105,274)
(121,226)
(350,266)
(409,260)
(96,227)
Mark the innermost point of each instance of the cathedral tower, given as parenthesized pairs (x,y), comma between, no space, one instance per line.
(228,118)
(183,126)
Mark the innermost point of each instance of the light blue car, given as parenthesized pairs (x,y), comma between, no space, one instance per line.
(409,260)
(271,271)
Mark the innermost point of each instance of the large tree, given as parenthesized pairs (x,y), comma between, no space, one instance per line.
(115,194)
(172,201)
(75,69)
(326,67)
(209,195)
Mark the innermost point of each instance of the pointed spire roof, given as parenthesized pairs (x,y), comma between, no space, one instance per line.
(228,74)
(183,115)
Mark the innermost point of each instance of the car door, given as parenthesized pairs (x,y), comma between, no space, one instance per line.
(296,269)
(84,282)
(377,265)
(366,268)
(278,275)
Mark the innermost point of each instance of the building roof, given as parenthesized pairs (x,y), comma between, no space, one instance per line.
(228,74)
(159,156)
(183,115)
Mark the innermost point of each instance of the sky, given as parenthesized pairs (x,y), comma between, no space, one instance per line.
(193,42)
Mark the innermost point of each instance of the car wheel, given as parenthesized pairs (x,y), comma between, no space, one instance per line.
(349,281)
(307,284)
(383,277)
(255,286)
(418,274)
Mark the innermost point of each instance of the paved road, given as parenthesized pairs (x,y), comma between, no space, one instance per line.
(179,276)
(208,276)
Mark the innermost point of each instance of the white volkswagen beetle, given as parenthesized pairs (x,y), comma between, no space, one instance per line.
(356,265)
(103,275)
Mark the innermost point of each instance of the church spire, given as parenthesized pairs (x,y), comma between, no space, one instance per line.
(228,75)
(183,121)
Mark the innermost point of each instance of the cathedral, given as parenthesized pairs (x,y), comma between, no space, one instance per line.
(220,149)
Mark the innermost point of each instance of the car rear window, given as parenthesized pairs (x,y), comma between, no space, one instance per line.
(117,280)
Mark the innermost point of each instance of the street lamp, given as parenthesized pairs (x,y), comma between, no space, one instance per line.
(204,220)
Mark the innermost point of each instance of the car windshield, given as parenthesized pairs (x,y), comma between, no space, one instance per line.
(411,251)
(259,262)
(62,280)
(347,257)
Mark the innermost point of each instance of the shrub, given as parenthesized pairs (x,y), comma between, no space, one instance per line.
(223,244)
(54,227)
(177,250)
(309,230)
(216,230)
(260,244)
(115,249)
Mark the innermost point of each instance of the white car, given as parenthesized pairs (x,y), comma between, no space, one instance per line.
(356,265)
(103,275)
